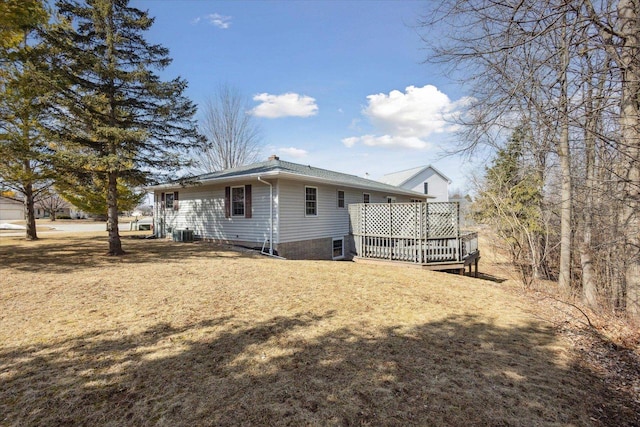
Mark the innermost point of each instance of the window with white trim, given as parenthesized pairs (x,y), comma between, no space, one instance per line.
(311,201)
(340,199)
(391,199)
(237,201)
(169,201)
(426,188)
(366,197)
(338,248)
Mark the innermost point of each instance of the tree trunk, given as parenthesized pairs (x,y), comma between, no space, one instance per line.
(564,278)
(115,245)
(589,288)
(629,17)
(30,211)
(589,285)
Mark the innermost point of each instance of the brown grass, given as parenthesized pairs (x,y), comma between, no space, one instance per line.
(192,334)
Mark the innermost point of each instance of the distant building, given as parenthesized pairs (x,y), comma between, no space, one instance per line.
(11,209)
(423,179)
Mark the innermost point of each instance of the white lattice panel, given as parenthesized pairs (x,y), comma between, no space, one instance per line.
(442,219)
(377,219)
(404,220)
(412,232)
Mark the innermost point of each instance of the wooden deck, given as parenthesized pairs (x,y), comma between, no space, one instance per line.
(470,262)
(426,235)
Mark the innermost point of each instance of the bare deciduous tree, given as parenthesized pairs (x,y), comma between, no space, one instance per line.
(52,203)
(570,70)
(232,136)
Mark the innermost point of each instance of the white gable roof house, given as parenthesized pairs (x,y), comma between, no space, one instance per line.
(422,179)
(301,210)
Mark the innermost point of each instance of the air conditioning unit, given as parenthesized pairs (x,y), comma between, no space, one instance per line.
(183,235)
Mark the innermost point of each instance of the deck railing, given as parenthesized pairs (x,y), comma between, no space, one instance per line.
(423,233)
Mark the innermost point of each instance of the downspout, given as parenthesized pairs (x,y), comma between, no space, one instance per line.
(270,214)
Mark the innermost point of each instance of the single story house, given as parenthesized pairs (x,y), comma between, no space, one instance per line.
(11,209)
(423,179)
(65,212)
(298,211)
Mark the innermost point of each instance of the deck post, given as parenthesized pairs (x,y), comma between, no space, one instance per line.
(363,232)
(420,247)
(389,243)
(458,241)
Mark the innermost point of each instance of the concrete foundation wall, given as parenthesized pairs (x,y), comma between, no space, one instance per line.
(320,249)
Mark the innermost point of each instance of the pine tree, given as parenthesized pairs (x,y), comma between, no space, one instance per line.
(115,118)
(18,16)
(24,152)
(509,199)
(88,192)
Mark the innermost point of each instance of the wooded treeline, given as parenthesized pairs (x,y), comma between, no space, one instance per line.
(555,87)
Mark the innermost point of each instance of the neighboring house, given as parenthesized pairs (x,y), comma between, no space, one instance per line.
(300,208)
(423,179)
(11,209)
(70,212)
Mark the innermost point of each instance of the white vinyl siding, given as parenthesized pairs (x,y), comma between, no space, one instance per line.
(432,182)
(331,221)
(202,210)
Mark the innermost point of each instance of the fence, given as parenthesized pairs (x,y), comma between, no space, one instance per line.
(424,233)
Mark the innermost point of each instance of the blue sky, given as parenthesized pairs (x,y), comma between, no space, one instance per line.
(335,84)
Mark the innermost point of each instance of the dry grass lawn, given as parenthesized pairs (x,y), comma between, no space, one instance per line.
(191,334)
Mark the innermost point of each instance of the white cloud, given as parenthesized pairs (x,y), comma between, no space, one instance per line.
(220,21)
(407,119)
(296,153)
(351,141)
(285,105)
